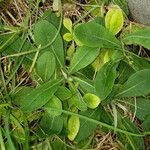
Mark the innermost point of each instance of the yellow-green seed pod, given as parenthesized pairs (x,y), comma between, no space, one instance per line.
(91,100)
(73,127)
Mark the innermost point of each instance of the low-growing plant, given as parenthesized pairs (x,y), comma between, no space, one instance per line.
(83,77)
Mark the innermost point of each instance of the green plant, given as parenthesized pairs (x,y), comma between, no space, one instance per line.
(71,98)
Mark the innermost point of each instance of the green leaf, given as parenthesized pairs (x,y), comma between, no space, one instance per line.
(63,93)
(124,72)
(54,103)
(105,56)
(105,2)
(2,140)
(36,98)
(105,80)
(44,33)
(141,107)
(46,65)
(76,98)
(18,132)
(95,35)
(16,45)
(114,20)
(50,125)
(146,124)
(86,84)
(131,142)
(99,20)
(87,127)
(136,85)
(7,131)
(141,37)
(58,145)
(131,28)
(51,17)
(1,24)
(138,63)
(83,57)
(87,72)
(78,101)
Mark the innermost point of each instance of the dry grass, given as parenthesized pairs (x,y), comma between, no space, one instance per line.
(105,141)
(14,12)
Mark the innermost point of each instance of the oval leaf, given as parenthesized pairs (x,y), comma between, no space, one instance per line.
(49,125)
(146,124)
(95,35)
(63,93)
(114,20)
(138,84)
(130,142)
(44,33)
(87,127)
(46,65)
(141,37)
(83,57)
(78,101)
(142,107)
(68,24)
(105,80)
(38,97)
(54,103)
(86,84)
